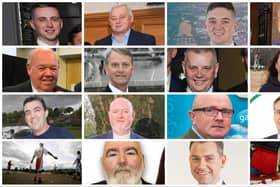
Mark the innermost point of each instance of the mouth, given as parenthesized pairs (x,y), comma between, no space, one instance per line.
(50,31)
(218,34)
(198,82)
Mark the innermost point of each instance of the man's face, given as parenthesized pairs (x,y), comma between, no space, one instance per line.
(220,24)
(216,126)
(277,115)
(35,116)
(206,163)
(77,40)
(123,162)
(200,70)
(120,20)
(43,70)
(121,116)
(47,24)
(119,68)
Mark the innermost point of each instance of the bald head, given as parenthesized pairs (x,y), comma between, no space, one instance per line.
(211,115)
(42,68)
(121,116)
(200,100)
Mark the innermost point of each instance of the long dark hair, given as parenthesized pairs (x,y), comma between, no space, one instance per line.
(272,70)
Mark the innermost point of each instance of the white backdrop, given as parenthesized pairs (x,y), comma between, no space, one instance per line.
(92,152)
(234,172)
(261,117)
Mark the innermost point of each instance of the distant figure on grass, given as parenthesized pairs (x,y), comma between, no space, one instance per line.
(38,153)
(78,164)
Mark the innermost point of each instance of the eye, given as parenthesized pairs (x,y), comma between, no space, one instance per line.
(131,152)
(112,154)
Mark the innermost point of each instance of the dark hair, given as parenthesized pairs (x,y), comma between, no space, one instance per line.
(74,31)
(219,144)
(43,5)
(228,6)
(35,98)
(275,101)
(244,52)
(272,70)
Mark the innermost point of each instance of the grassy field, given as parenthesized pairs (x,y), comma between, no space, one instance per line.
(19,177)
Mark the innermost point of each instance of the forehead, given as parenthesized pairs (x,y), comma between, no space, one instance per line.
(212,100)
(277,104)
(202,58)
(119,10)
(44,57)
(204,148)
(118,57)
(119,103)
(45,11)
(122,146)
(33,104)
(220,12)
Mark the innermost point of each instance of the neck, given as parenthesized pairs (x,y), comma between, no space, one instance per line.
(49,42)
(41,131)
(121,133)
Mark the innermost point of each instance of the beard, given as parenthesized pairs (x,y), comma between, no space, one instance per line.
(124,175)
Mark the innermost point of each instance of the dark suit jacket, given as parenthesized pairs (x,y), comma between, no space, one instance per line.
(190,135)
(177,85)
(135,38)
(109,135)
(105,182)
(107,89)
(243,87)
(26,87)
(274,136)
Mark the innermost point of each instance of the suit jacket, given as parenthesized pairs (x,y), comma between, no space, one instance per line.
(190,135)
(108,89)
(105,182)
(109,135)
(135,38)
(26,87)
(177,85)
(243,87)
(274,136)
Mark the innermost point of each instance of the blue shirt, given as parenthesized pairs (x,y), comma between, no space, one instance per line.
(52,132)
(123,41)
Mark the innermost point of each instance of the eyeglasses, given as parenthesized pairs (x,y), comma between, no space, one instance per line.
(213,112)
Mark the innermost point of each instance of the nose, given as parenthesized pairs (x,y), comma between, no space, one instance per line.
(202,164)
(219,116)
(49,23)
(122,158)
(198,73)
(48,72)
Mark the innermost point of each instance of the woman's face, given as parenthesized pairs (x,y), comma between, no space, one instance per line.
(277,65)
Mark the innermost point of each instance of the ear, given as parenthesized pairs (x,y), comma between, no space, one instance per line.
(191,115)
(28,68)
(31,23)
(46,113)
(224,159)
(235,26)
(217,69)
(133,115)
(183,67)
(131,18)
(106,68)
(61,23)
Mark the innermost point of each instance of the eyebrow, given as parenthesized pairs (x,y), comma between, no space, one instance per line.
(117,150)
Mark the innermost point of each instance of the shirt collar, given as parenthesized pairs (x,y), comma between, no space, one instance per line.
(40,42)
(232,43)
(114,89)
(197,133)
(189,89)
(127,136)
(124,39)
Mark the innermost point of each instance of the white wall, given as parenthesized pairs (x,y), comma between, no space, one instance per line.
(234,172)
